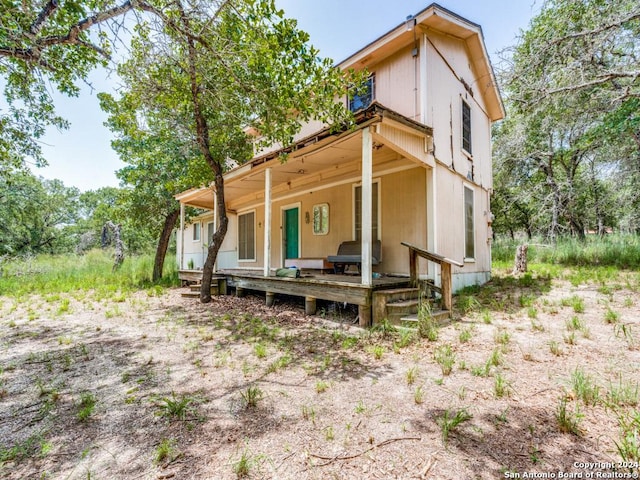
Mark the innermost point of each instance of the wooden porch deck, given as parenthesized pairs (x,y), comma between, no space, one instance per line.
(311,286)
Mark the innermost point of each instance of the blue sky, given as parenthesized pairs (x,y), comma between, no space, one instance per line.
(82,156)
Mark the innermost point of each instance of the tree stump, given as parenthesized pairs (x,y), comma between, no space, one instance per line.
(520,265)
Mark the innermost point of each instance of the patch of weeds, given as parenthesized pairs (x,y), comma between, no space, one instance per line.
(628,444)
(486,317)
(555,348)
(62,340)
(611,316)
(329,434)
(570,338)
(427,326)
(568,422)
(242,467)
(309,413)
(445,357)
(575,323)
(625,331)
(360,407)
(501,386)
(321,386)
(623,393)
(468,303)
(64,306)
(251,396)
(495,359)
(418,395)
(349,342)
(536,326)
(526,300)
(585,387)
(448,422)
(532,312)
(165,451)
(628,302)
(260,350)
(465,335)
(25,449)
(113,312)
(86,406)
(385,328)
(280,363)
(577,303)
(377,351)
(176,407)
(405,338)
(411,374)
(502,338)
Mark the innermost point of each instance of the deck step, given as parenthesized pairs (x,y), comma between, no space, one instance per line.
(397,294)
(190,294)
(440,316)
(402,307)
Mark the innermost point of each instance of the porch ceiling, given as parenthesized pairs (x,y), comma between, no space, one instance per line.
(331,160)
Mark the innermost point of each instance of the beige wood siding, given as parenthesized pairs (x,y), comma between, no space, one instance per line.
(397,83)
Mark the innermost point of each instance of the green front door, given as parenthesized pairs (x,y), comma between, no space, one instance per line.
(291,233)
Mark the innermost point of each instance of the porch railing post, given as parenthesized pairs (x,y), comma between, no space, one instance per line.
(413,266)
(445,271)
(366,205)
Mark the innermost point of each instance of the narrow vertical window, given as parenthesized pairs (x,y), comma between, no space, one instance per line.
(357,212)
(469,233)
(196,232)
(246,236)
(210,233)
(466,127)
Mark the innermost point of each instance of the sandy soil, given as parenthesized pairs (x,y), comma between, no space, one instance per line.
(174,381)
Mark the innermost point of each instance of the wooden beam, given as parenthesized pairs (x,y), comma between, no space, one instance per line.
(366,204)
(446,285)
(267,221)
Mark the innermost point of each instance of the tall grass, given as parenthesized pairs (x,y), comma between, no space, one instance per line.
(45,274)
(613,250)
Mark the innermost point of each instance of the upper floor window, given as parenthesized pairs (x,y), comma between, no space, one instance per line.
(364,96)
(466,127)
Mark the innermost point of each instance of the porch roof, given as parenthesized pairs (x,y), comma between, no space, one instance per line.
(325,157)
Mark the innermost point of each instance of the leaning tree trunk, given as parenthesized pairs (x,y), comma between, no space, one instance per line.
(163,243)
(202,138)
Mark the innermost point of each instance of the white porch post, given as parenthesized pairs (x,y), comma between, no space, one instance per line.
(215,224)
(267,221)
(366,214)
(181,236)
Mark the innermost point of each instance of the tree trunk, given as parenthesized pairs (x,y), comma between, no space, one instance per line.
(163,243)
(202,137)
(520,264)
(216,240)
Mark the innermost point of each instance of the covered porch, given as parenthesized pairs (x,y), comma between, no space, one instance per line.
(370,184)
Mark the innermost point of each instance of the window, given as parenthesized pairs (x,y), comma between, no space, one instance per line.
(196,232)
(210,232)
(466,127)
(247,236)
(321,219)
(357,214)
(364,96)
(469,232)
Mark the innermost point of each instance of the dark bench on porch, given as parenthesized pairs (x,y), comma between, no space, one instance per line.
(350,253)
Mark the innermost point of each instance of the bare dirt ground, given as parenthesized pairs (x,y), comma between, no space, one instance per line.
(160,387)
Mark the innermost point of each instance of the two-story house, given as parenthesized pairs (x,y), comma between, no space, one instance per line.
(416,170)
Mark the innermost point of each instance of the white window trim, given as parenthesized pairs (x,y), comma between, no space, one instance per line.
(465,187)
(313,208)
(255,237)
(284,208)
(193,232)
(353,208)
(467,154)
